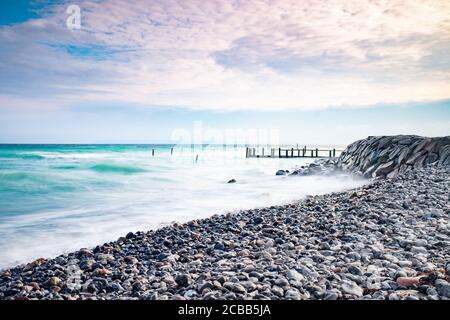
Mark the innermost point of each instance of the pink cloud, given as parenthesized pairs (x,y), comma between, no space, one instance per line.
(274,54)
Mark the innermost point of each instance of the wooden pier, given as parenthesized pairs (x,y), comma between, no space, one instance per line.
(291,153)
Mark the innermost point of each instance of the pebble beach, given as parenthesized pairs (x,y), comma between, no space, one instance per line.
(387,240)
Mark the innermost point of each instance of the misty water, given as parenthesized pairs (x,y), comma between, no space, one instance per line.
(59,198)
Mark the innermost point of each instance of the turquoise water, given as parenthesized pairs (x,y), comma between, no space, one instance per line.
(58,198)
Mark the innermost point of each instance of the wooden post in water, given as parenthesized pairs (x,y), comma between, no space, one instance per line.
(312,153)
(292,152)
(279,152)
(334,152)
(171,150)
(317,152)
(153,152)
(287,153)
(263,152)
(246,152)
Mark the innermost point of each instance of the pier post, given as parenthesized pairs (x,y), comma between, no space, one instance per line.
(171,150)
(282,153)
(153,152)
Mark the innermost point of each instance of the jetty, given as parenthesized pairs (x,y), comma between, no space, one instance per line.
(291,152)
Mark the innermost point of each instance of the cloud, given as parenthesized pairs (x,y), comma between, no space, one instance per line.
(230,55)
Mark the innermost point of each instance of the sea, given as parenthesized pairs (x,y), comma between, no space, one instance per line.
(56,199)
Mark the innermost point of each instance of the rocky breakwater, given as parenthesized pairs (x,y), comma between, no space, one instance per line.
(388,156)
(383,156)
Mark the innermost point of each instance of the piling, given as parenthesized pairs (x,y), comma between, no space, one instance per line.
(304,152)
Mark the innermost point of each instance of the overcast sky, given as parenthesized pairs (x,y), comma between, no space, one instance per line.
(322,71)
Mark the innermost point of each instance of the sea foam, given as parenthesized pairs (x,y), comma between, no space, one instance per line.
(56,204)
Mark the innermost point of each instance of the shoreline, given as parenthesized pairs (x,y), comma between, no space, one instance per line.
(366,243)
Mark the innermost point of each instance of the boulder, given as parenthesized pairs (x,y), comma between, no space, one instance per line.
(384,169)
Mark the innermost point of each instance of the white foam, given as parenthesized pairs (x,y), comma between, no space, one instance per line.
(69,155)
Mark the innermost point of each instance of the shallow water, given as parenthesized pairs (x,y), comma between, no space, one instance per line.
(58,198)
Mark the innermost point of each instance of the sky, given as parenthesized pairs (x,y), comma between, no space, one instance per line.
(325,72)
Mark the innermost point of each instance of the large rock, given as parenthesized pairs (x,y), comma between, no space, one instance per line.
(384,169)
(387,156)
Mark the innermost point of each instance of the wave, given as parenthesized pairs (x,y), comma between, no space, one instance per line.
(69,155)
(114,168)
(67,167)
(25,156)
(15,176)
(26,183)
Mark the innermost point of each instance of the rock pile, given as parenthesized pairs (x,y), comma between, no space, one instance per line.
(388,156)
(319,167)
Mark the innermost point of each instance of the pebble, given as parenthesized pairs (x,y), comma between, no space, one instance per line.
(350,287)
(443,288)
(278,291)
(355,270)
(295,275)
(330,295)
(408,281)
(235,287)
(183,280)
(54,281)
